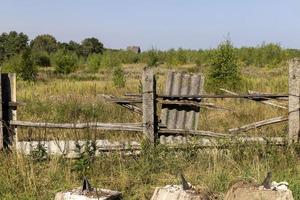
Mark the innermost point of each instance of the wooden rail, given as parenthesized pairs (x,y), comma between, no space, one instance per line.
(255,125)
(208,96)
(90,125)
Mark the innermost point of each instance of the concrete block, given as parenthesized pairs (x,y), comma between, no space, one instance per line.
(250,192)
(176,192)
(99,194)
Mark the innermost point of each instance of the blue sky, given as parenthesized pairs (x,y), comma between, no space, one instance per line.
(161,24)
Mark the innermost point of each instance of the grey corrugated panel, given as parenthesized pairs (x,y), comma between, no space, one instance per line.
(174,116)
(176,87)
(181,114)
(191,115)
(165,111)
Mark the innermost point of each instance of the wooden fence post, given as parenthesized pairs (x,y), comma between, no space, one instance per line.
(149,105)
(294,104)
(8,109)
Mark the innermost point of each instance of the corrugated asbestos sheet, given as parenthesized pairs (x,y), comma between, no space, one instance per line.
(181,117)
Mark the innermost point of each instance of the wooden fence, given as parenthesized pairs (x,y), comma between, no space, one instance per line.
(182,97)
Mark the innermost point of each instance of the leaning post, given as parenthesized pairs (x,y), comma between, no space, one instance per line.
(8,109)
(149,105)
(294,104)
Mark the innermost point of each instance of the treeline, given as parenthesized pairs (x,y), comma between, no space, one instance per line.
(18,54)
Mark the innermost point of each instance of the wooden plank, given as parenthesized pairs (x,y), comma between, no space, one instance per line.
(89,125)
(213,96)
(294,94)
(149,105)
(258,124)
(264,101)
(129,105)
(192,132)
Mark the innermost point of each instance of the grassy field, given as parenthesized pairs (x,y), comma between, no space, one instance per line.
(76,98)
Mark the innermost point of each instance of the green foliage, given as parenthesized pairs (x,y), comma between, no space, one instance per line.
(109,60)
(46,43)
(152,58)
(90,46)
(128,57)
(27,70)
(224,71)
(86,156)
(12,64)
(94,62)
(41,58)
(65,61)
(119,77)
(11,44)
(39,153)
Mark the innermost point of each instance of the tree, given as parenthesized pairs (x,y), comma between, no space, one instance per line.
(41,58)
(91,45)
(27,71)
(65,61)
(45,42)
(224,71)
(71,46)
(12,43)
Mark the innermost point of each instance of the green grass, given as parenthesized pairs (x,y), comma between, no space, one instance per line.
(75,98)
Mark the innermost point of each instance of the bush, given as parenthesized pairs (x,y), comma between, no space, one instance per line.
(153,58)
(65,61)
(108,60)
(41,59)
(12,64)
(224,71)
(94,62)
(27,70)
(119,77)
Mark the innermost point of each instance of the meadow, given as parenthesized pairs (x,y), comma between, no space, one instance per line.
(63,82)
(75,98)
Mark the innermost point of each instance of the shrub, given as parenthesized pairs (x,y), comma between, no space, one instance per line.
(153,58)
(27,70)
(224,71)
(119,77)
(108,60)
(65,61)
(41,58)
(94,62)
(12,64)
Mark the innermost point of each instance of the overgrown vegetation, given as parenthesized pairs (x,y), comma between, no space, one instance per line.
(67,90)
(224,71)
(92,55)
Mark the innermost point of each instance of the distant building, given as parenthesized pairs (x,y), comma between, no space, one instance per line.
(135,49)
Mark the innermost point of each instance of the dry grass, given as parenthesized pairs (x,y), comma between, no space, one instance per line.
(75,98)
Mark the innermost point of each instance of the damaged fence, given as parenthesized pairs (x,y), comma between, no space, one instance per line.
(180,108)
